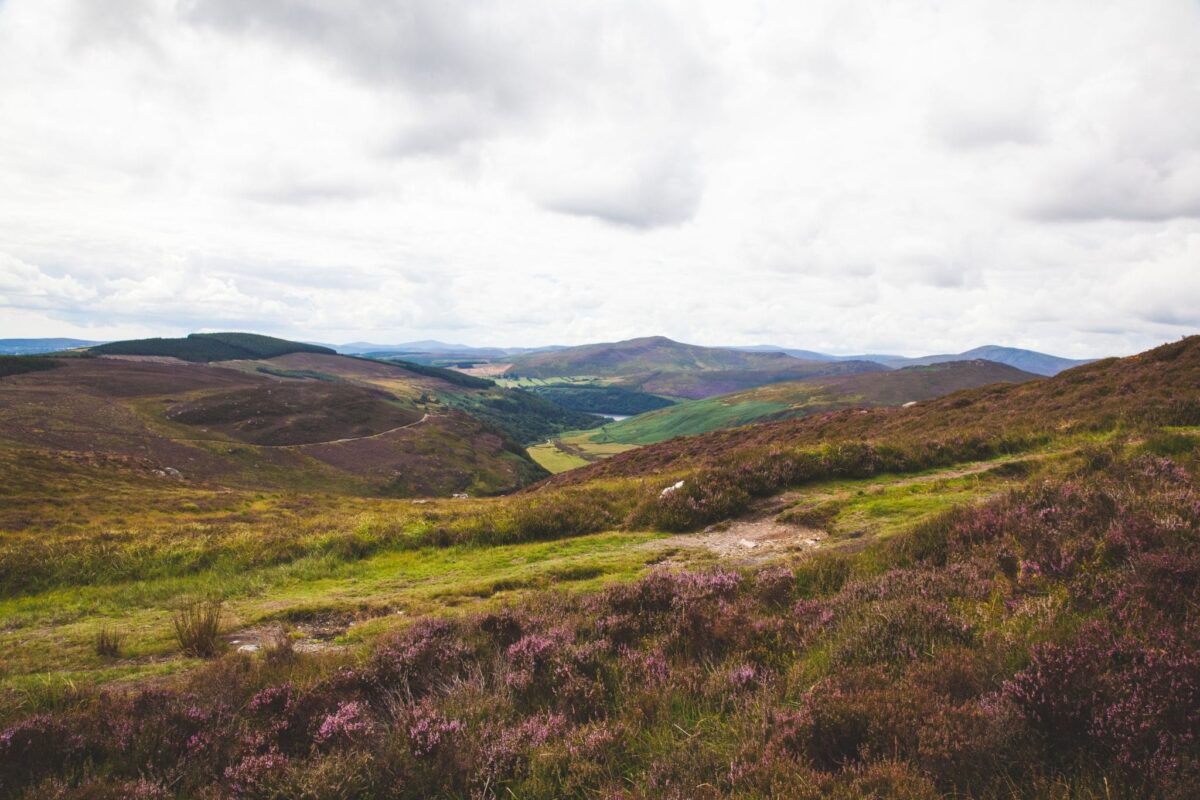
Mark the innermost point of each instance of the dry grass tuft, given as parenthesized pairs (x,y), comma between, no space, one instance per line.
(197,625)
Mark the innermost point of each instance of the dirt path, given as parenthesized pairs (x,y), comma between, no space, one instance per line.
(425,417)
(153,435)
(759,536)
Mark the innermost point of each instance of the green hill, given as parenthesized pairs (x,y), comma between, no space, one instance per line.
(801,398)
(657,365)
(206,347)
(633,356)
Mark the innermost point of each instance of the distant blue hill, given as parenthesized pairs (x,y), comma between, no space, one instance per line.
(24,347)
(1027,360)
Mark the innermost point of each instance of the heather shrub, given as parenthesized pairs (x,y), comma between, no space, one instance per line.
(829,731)
(706,496)
(34,747)
(897,632)
(885,780)
(417,659)
(774,586)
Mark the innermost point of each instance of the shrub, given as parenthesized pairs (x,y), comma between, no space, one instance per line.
(897,632)
(414,660)
(197,626)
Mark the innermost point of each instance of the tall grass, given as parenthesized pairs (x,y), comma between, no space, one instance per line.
(197,627)
(108,642)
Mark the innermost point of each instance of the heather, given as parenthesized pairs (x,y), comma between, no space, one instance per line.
(1040,644)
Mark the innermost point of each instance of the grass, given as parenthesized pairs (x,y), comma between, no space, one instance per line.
(350,562)
(55,631)
(197,626)
(554,459)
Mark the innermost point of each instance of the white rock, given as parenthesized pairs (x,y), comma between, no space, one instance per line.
(672,488)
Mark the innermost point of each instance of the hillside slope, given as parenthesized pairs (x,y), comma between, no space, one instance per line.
(306,420)
(801,398)
(657,365)
(1160,386)
(633,356)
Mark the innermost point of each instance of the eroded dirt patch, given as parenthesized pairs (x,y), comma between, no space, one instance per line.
(753,539)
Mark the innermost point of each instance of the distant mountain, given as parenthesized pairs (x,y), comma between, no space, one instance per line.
(21,347)
(789,399)
(650,353)
(806,355)
(206,347)
(1027,360)
(661,366)
(432,349)
(423,346)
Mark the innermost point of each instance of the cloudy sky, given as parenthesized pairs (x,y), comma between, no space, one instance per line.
(845,176)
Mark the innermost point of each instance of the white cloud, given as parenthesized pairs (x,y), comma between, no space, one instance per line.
(841,175)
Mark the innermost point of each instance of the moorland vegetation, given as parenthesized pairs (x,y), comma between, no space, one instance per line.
(991,594)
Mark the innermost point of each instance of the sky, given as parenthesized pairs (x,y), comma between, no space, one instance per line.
(841,175)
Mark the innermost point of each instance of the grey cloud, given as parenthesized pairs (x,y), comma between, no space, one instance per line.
(971,131)
(1138,189)
(660,192)
(430,47)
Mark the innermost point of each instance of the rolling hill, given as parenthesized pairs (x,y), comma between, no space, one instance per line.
(245,410)
(801,398)
(206,347)
(657,365)
(1157,387)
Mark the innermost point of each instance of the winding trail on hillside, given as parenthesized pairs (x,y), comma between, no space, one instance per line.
(758,535)
(424,418)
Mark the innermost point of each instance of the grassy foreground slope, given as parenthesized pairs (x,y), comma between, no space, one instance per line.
(994,599)
(802,398)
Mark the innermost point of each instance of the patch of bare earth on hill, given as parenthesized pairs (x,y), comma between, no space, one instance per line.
(753,540)
(756,537)
(316,634)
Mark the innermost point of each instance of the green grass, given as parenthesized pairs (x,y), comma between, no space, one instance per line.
(53,632)
(555,460)
(685,419)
